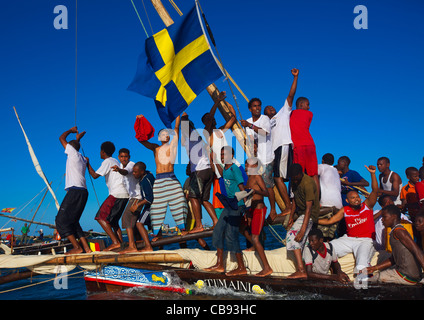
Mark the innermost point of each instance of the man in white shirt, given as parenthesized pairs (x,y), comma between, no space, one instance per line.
(201,176)
(70,211)
(258,132)
(112,208)
(331,199)
(282,144)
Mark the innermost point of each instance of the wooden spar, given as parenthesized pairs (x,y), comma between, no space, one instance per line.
(163,13)
(39,205)
(213,91)
(355,188)
(26,220)
(117,258)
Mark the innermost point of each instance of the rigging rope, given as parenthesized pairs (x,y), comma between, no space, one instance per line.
(76,57)
(147,15)
(139,18)
(48,205)
(27,204)
(275,233)
(76,84)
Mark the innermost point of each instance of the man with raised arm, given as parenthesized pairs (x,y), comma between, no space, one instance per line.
(70,211)
(282,144)
(217,140)
(304,150)
(201,174)
(360,227)
(166,189)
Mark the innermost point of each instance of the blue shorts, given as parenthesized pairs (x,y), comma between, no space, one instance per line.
(226,231)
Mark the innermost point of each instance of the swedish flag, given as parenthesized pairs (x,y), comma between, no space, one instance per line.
(176,65)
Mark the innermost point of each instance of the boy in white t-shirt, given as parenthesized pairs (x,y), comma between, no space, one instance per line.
(129,218)
(112,208)
(70,211)
(319,256)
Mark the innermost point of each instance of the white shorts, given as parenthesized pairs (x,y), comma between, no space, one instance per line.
(283,158)
(362,249)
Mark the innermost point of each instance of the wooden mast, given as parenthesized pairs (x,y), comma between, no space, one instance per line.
(213,91)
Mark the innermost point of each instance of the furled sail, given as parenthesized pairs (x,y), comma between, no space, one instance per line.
(36,163)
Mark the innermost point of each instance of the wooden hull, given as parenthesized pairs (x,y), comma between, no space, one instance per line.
(115,278)
(43,248)
(200,280)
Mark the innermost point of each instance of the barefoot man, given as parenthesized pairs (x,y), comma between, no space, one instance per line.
(226,231)
(166,189)
(256,215)
(70,211)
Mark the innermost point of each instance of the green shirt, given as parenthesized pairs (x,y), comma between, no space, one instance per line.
(232,178)
(307,191)
(24,230)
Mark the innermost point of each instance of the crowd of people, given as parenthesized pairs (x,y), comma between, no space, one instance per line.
(327,217)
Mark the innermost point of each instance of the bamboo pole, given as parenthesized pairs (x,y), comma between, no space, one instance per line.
(39,205)
(213,91)
(27,220)
(117,258)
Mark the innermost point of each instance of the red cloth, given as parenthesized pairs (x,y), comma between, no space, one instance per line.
(419,187)
(306,156)
(300,121)
(360,223)
(143,129)
(258,219)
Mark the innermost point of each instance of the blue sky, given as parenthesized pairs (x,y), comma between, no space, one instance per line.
(363,85)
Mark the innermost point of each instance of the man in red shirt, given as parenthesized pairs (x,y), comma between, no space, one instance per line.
(419,186)
(360,226)
(304,151)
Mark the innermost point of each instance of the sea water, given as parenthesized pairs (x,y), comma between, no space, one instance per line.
(72,287)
